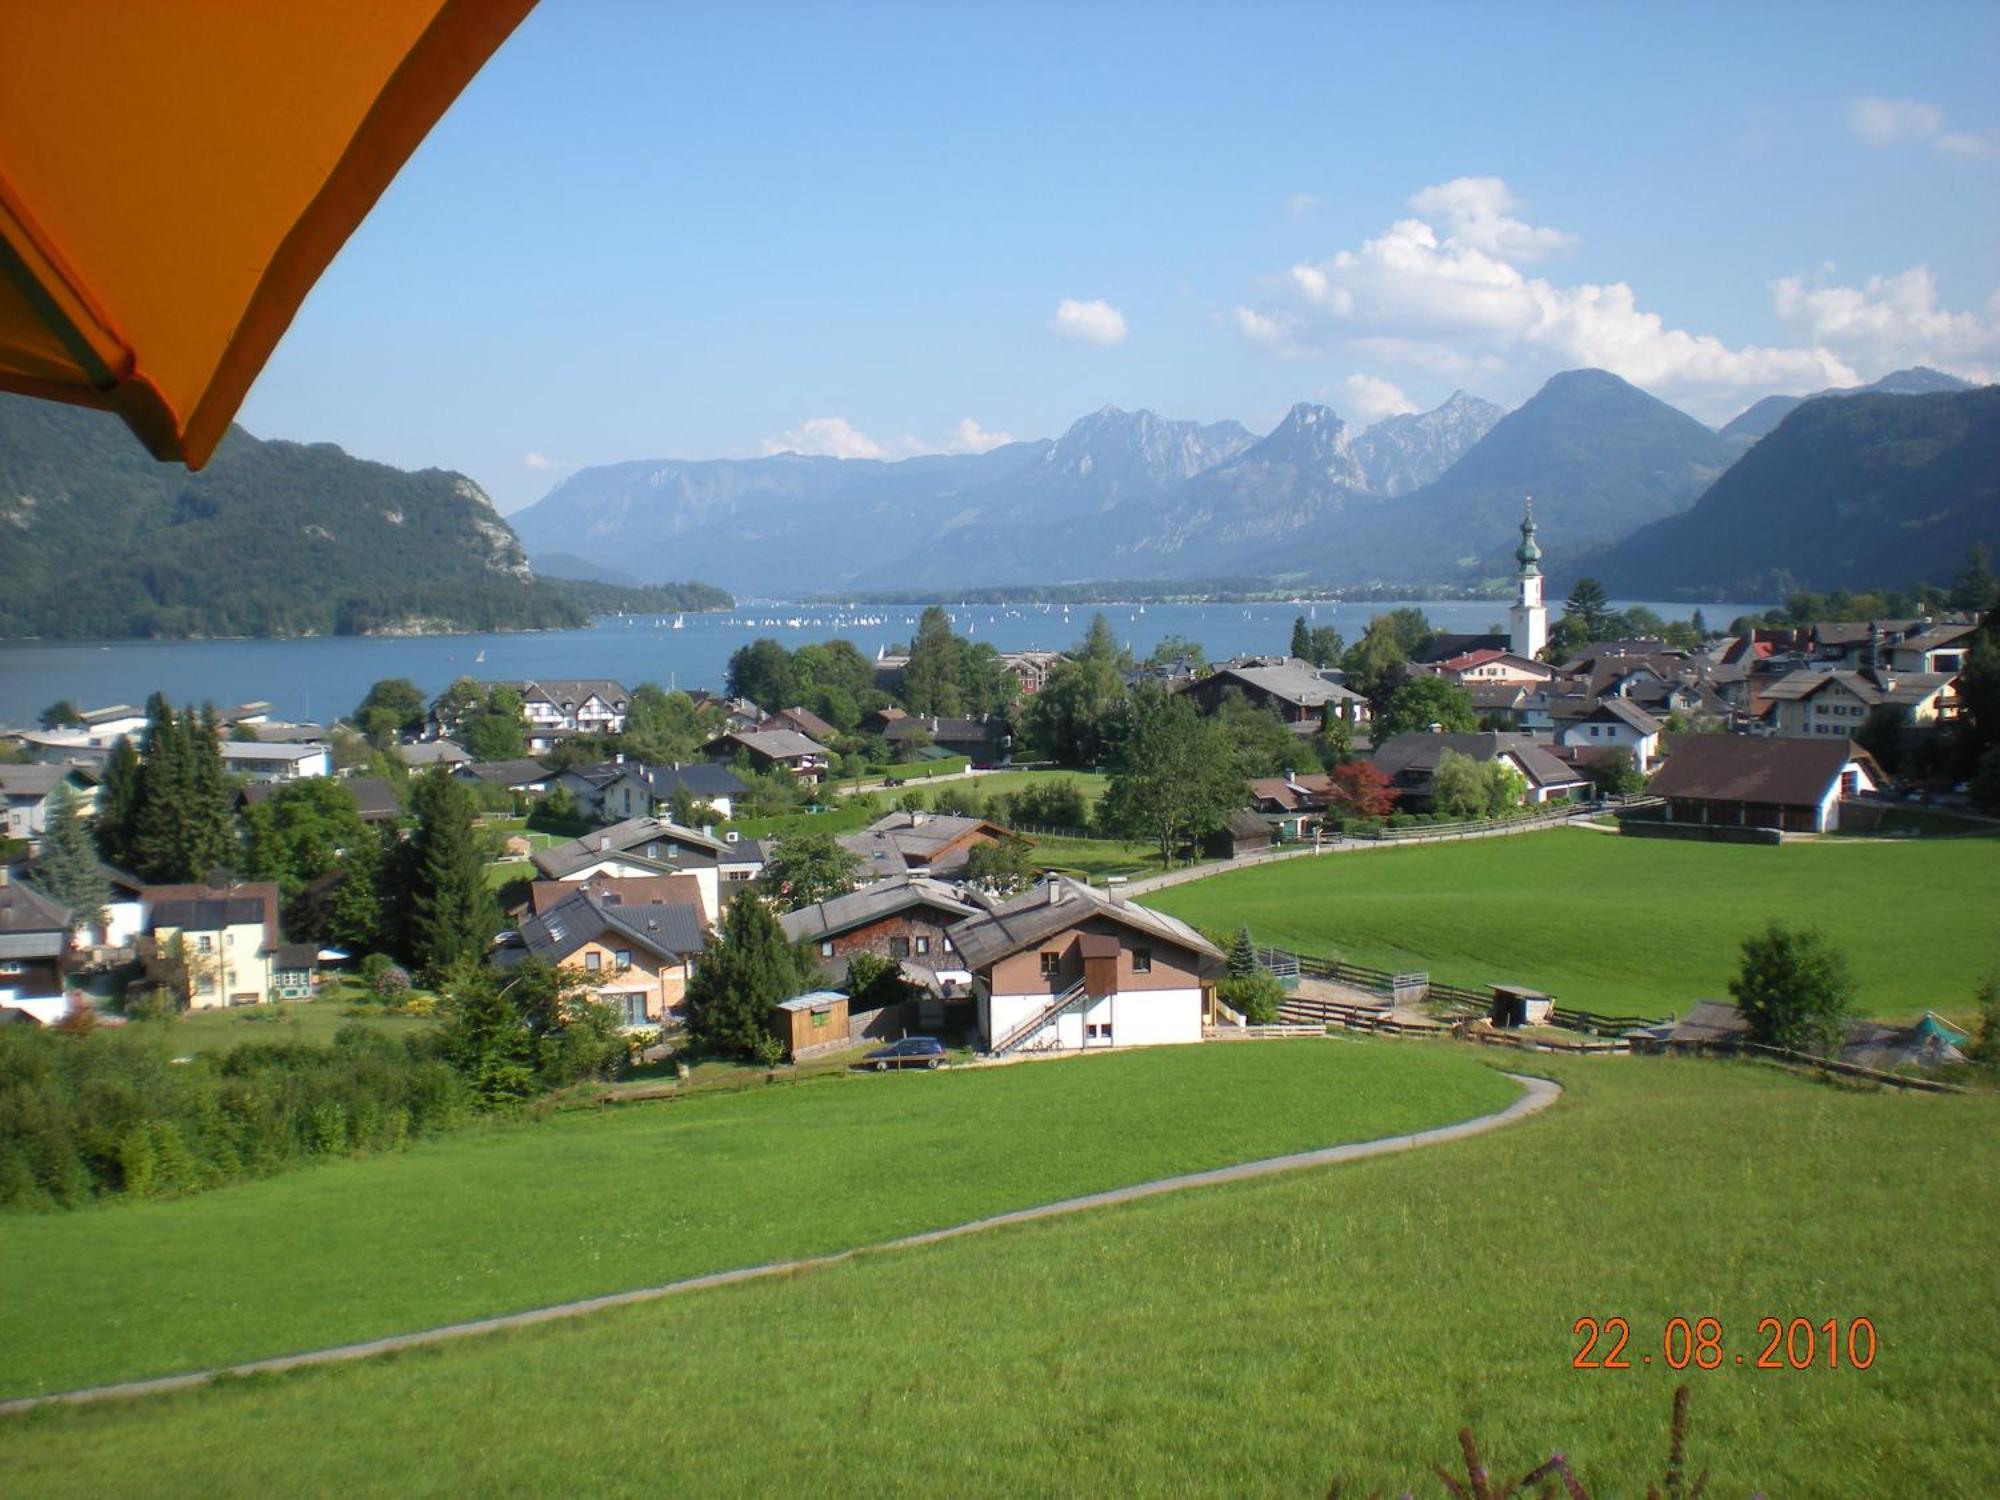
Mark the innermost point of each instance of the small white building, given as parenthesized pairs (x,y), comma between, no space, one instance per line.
(1615,723)
(262,762)
(1064,967)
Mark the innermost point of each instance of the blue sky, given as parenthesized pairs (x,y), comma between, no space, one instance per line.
(652,230)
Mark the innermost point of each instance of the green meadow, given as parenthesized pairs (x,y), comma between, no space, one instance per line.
(1629,926)
(1262,1338)
(508,1217)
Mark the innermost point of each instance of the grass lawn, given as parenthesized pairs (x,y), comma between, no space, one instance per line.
(1638,927)
(998,783)
(1094,859)
(495,1220)
(1261,1338)
(288,1021)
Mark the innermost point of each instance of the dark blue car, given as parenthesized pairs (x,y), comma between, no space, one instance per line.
(910,1052)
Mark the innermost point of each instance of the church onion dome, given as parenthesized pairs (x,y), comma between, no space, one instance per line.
(1528,554)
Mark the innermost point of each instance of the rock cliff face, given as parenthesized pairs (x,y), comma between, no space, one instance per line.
(1401,454)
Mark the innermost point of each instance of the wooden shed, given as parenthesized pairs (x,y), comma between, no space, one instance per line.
(1517,1005)
(810,1023)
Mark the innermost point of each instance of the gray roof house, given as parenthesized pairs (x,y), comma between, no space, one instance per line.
(1410,761)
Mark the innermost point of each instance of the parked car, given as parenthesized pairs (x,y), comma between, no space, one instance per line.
(892,781)
(910,1052)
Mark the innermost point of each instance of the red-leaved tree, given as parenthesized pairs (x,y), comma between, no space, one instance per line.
(1358,790)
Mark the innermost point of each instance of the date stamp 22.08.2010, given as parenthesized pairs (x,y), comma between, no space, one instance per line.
(1703,1344)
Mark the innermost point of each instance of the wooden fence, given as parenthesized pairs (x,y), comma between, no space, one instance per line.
(1465,1002)
(1818,1064)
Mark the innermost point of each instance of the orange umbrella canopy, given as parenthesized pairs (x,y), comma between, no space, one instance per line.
(176,174)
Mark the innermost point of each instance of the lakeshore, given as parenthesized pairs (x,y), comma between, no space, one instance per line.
(318,678)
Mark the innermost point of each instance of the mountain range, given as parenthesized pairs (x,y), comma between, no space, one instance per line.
(1763,416)
(1427,497)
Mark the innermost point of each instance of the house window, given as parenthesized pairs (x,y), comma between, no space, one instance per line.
(624,958)
(1142,963)
(1051,965)
(12,966)
(635,1010)
(205,944)
(819,1018)
(826,949)
(593,961)
(947,945)
(899,947)
(923,945)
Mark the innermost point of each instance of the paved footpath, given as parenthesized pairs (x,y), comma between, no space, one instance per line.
(1538,1095)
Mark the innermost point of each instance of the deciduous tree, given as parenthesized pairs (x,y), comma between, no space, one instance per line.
(1794,989)
(1426,702)
(1176,780)
(1002,866)
(1359,790)
(807,868)
(395,706)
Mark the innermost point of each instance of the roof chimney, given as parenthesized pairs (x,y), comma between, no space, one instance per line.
(1055,891)
(618,759)
(603,843)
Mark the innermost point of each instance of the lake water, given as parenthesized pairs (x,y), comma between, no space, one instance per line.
(322,679)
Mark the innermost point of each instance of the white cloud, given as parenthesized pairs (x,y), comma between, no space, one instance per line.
(1898,122)
(829,437)
(1892,321)
(969,437)
(1089,322)
(533,460)
(1259,328)
(1477,210)
(1963,143)
(1299,203)
(1371,398)
(1890,122)
(1445,293)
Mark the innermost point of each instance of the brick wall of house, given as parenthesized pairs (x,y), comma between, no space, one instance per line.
(910,926)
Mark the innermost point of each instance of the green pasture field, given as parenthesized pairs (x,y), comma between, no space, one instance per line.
(1258,1338)
(998,783)
(1629,927)
(286,1021)
(495,1220)
(1095,859)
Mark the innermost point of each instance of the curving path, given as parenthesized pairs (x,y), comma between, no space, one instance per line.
(1538,1095)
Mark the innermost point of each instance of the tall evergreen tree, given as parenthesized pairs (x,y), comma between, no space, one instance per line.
(211,823)
(116,800)
(1302,640)
(452,913)
(930,681)
(157,845)
(1975,589)
(68,868)
(748,968)
(355,916)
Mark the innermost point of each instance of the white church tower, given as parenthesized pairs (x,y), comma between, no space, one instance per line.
(1528,620)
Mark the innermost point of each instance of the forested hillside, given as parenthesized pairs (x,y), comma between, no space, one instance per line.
(99,541)
(1850,494)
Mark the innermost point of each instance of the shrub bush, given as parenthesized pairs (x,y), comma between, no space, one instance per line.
(112,1114)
